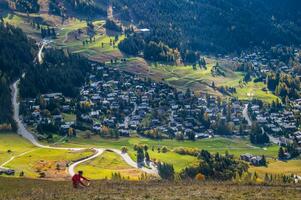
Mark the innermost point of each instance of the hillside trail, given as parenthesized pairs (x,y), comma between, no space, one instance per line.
(97,151)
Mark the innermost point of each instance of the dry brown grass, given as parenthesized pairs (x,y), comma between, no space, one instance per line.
(17,189)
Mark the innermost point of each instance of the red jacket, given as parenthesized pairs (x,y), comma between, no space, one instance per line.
(77,179)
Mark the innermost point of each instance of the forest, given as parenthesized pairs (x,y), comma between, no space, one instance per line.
(89,8)
(220,26)
(16,55)
(27,6)
(60,72)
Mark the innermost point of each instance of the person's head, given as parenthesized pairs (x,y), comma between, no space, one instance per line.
(80,172)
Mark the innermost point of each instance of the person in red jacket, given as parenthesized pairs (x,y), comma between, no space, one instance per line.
(77,180)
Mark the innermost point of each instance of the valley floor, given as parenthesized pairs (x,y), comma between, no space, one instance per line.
(17,189)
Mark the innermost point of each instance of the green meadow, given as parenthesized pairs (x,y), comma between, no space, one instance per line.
(252,90)
(106,164)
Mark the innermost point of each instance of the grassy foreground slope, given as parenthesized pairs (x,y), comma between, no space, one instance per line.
(17,189)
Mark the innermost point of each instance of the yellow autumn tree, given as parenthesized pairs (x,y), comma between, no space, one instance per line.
(200,177)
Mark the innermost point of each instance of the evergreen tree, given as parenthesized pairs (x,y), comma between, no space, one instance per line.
(281,154)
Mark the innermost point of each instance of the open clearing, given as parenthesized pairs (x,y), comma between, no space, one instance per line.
(106,164)
(253,90)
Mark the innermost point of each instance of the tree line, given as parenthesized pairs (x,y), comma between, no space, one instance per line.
(27,6)
(87,8)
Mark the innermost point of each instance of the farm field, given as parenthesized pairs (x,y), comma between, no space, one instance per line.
(105,165)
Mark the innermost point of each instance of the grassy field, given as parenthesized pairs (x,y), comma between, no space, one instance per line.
(253,90)
(66,38)
(69,117)
(17,189)
(93,50)
(19,20)
(32,160)
(184,77)
(46,160)
(108,163)
(12,145)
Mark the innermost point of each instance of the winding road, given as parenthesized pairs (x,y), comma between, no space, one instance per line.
(98,151)
(248,119)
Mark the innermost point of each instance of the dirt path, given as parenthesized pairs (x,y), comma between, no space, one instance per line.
(13,157)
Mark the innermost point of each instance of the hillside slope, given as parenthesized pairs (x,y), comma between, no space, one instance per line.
(216,26)
(18,189)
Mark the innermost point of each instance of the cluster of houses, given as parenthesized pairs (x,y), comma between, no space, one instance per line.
(282,125)
(275,123)
(264,61)
(118,102)
(127,103)
(47,112)
(254,160)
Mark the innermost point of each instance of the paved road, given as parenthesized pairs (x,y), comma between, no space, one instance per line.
(44,43)
(127,118)
(272,138)
(98,151)
(246,115)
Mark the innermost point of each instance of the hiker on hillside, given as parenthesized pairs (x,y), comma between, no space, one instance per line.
(78,179)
